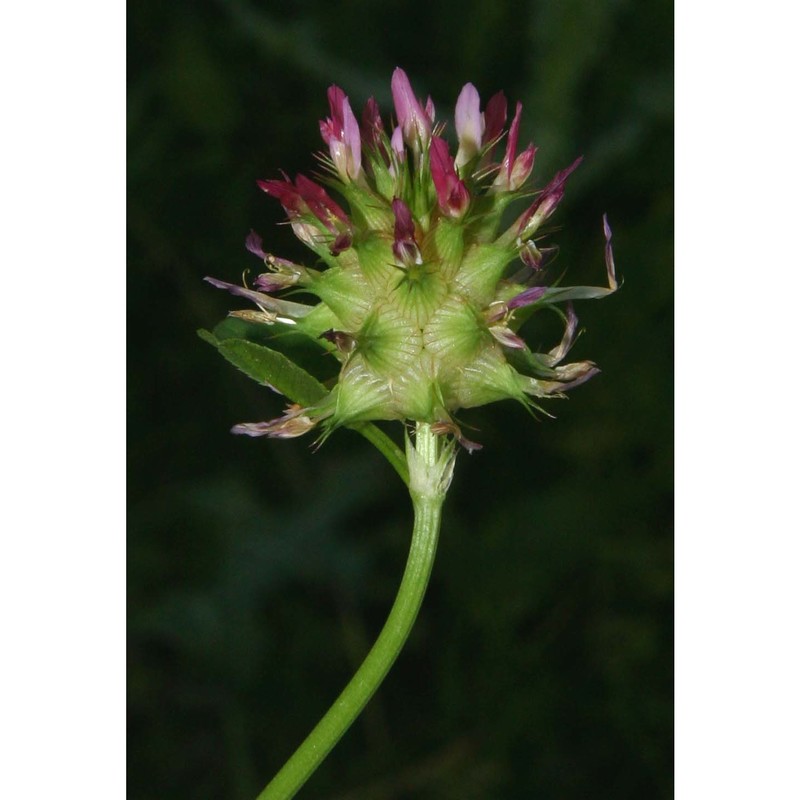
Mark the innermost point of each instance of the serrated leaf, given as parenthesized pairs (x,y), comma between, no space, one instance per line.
(235,328)
(269,367)
(275,369)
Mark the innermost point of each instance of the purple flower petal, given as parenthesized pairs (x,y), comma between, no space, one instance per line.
(411,117)
(503,179)
(523,166)
(264,301)
(576,374)
(451,192)
(527,298)
(469,124)
(254,243)
(430,109)
(294,422)
(241,291)
(546,203)
(342,135)
(398,145)
(405,247)
(507,337)
(372,131)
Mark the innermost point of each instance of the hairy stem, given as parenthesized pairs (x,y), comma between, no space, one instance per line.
(430,463)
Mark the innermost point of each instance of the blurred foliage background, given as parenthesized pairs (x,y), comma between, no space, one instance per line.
(259,571)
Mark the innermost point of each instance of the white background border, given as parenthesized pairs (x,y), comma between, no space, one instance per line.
(62,515)
(737,264)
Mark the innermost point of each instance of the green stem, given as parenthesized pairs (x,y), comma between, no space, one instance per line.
(430,464)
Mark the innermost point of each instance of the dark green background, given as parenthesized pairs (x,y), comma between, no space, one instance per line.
(259,572)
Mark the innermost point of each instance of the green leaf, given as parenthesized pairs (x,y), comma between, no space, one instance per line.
(269,367)
(235,328)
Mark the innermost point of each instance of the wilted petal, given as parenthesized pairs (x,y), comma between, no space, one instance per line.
(449,428)
(274,282)
(264,301)
(556,355)
(527,298)
(568,377)
(469,124)
(342,242)
(531,256)
(295,422)
(284,273)
(575,374)
(308,234)
(496,311)
(612,274)
(283,264)
(468,444)
(507,337)
(254,243)
(546,203)
(345,342)
(253,428)
(261,317)
(241,291)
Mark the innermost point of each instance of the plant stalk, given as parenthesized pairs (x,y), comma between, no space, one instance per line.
(430,463)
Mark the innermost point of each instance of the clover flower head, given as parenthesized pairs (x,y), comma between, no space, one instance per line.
(420,293)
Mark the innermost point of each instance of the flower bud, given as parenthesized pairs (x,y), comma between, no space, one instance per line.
(340,132)
(414,121)
(405,246)
(469,124)
(452,193)
(495,118)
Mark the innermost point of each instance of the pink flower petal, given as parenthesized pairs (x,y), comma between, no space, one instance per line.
(469,124)
(412,118)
